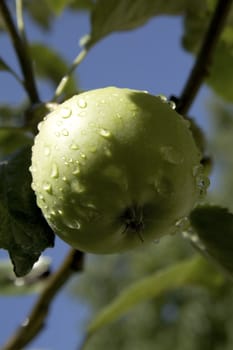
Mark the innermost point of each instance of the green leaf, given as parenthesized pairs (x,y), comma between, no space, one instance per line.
(214,227)
(23,231)
(40,12)
(51,66)
(109,15)
(221,71)
(33,282)
(4,65)
(193,271)
(12,139)
(82,4)
(57,6)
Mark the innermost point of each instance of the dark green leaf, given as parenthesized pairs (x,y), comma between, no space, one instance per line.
(51,66)
(23,232)
(214,226)
(40,12)
(109,15)
(4,65)
(82,4)
(57,6)
(12,139)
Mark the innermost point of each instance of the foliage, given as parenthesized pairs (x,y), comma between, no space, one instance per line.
(171,294)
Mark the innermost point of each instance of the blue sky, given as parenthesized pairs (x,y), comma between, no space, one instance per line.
(149,58)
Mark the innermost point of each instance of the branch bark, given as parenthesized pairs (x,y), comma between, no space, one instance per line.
(22,53)
(36,319)
(203,61)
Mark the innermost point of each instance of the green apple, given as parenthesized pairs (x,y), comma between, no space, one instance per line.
(114,169)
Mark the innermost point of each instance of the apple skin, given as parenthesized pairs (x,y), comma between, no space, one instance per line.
(115,168)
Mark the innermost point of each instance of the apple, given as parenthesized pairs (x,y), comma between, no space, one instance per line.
(114,169)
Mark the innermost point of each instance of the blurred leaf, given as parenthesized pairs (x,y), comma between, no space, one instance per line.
(221,71)
(23,231)
(110,15)
(4,65)
(51,66)
(191,271)
(40,12)
(12,139)
(214,226)
(11,116)
(82,4)
(57,6)
(31,283)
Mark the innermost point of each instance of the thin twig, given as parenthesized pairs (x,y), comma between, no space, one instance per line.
(61,86)
(202,64)
(36,319)
(21,52)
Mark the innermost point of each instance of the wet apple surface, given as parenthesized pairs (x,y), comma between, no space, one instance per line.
(115,168)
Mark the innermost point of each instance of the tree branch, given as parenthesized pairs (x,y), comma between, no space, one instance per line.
(22,53)
(201,66)
(36,319)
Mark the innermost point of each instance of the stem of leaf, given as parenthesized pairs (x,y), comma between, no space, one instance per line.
(61,86)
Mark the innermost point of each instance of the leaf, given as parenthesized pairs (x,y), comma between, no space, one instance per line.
(12,139)
(192,271)
(57,6)
(51,66)
(221,72)
(4,65)
(214,227)
(31,283)
(40,12)
(82,4)
(109,15)
(23,231)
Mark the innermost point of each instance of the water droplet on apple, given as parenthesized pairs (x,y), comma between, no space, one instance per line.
(78,187)
(74,146)
(202,181)
(65,132)
(76,171)
(47,151)
(162,98)
(65,112)
(172,104)
(171,155)
(162,185)
(39,126)
(82,103)
(33,186)
(47,187)
(83,156)
(54,171)
(105,133)
(60,212)
(73,224)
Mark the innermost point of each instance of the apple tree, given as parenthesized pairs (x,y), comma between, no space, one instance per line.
(113,170)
